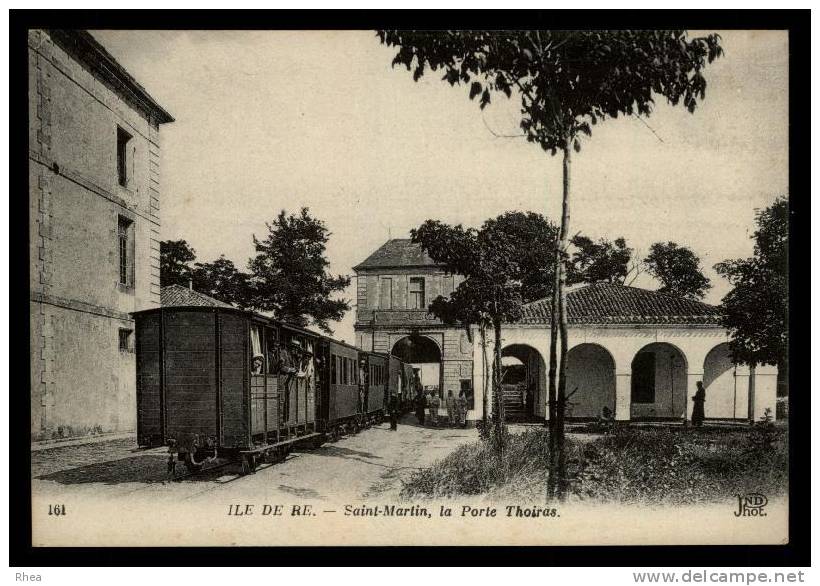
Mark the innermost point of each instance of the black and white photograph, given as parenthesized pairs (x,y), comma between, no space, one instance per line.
(396,287)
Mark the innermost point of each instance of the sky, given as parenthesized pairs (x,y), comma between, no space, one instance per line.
(271,120)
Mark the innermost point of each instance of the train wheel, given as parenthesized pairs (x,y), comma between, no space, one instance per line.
(356,427)
(191,464)
(248,464)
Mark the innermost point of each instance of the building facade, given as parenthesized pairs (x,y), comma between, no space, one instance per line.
(395,285)
(636,352)
(94,219)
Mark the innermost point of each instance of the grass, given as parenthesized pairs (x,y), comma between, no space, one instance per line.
(656,465)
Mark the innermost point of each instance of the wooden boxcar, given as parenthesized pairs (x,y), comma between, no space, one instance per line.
(220,382)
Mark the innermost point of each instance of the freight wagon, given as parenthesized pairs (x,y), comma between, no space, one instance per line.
(222,383)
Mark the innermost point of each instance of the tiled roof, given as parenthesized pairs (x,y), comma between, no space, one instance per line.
(398,252)
(608,303)
(177,295)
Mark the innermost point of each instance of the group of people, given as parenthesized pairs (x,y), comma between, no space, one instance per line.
(428,405)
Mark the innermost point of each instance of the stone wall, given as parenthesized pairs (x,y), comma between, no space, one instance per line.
(81,381)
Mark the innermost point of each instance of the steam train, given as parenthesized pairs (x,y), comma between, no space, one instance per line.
(223,383)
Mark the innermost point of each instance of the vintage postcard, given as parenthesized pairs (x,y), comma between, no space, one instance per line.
(390,287)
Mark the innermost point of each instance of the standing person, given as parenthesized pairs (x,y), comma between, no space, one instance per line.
(434,405)
(699,399)
(462,408)
(451,408)
(421,405)
(393,407)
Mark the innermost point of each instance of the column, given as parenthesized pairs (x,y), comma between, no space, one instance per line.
(763,392)
(623,396)
(742,382)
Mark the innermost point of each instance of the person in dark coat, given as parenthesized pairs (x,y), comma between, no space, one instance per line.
(393,407)
(699,399)
(421,406)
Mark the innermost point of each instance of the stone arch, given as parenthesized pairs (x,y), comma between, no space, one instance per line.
(659,382)
(719,381)
(590,381)
(525,395)
(424,353)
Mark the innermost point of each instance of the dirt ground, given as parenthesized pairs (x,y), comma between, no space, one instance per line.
(371,463)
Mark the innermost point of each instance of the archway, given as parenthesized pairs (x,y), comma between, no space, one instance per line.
(659,382)
(523,381)
(423,354)
(722,400)
(590,381)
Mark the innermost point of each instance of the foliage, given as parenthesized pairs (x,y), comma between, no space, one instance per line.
(529,238)
(509,261)
(175,257)
(680,465)
(222,280)
(669,466)
(504,263)
(289,273)
(756,309)
(566,80)
(593,262)
(474,468)
(678,270)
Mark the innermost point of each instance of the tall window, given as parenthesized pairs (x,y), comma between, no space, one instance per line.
(122,156)
(125,245)
(416,293)
(386,293)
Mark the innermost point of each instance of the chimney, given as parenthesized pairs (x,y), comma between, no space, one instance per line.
(191,284)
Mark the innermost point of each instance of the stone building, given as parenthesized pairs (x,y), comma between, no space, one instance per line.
(395,285)
(94,218)
(638,353)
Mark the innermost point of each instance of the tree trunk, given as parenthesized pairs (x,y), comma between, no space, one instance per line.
(497,392)
(562,328)
(485,375)
(553,369)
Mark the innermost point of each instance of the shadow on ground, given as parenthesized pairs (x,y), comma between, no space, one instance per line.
(144,468)
(331,451)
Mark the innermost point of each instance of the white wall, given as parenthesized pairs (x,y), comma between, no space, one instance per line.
(623,342)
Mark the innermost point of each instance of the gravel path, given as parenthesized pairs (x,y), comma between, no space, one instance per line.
(369,464)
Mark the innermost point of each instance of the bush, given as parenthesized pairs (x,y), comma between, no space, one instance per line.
(782,408)
(659,465)
(475,468)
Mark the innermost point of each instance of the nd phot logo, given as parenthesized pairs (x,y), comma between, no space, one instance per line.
(751,505)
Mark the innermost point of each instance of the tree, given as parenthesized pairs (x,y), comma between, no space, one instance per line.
(222,280)
(175,257)
(504,265)
(289,273)
(604,260)
(755,311)
(678,270)
(566,81)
